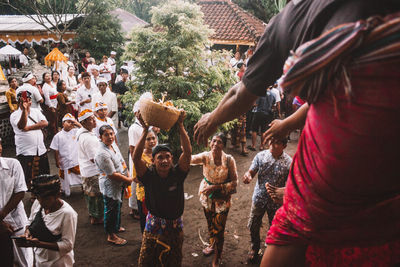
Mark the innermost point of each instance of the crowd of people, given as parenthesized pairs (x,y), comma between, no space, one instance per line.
(79,116)
(333,204)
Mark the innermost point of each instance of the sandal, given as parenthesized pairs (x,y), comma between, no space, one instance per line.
(119,242)
(208,251)
(244,153)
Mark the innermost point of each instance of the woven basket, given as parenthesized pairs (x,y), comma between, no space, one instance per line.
(158,115)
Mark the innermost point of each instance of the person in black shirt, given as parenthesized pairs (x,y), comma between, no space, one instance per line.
(120,88)
(163,183)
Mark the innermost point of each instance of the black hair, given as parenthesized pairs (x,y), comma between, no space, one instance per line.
(104,128)
(160,147)
(44,74)
(52,73)
(10,79)
(70,67)
(59,86)
(46,185)
(85,74)
(222,136)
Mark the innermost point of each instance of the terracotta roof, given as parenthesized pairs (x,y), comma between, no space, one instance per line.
(231,24)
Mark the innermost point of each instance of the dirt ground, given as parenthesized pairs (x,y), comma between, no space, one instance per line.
(92,249)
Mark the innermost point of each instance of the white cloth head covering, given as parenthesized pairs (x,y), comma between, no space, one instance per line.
(100,105)
(94,67)
(101,80)
(68,117)
(27,77)
(66,55)
(86,113)
(113,53)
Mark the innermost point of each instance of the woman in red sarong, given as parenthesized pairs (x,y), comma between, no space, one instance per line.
(342,202)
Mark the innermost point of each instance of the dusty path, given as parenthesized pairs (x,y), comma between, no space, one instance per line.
(91,248)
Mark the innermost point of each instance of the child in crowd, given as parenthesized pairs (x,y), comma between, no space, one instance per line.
(101,111)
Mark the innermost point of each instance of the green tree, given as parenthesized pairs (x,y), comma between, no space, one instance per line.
(172,57)
(262,9)
(101,33)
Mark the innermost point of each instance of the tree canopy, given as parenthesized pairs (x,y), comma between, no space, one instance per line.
(172,57)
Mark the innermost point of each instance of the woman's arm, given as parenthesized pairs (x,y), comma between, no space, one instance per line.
(230,187)
(197,159)
(116,176)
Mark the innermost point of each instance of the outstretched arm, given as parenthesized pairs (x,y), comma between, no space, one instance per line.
(184,160)
(237,100)
(140,164)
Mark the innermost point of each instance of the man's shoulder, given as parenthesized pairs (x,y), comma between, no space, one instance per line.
(10,162)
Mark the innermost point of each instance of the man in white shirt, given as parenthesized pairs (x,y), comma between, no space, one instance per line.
(12,212)
(85,93)
(24,58)
(277,95)
(27,124)
(95,75)
(88,145)
(29,81)
(65,146)
(107,97)
(112,63)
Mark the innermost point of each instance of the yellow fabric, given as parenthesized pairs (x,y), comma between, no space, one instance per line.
(140,195)
(11,96)
(2,77)
(54,56)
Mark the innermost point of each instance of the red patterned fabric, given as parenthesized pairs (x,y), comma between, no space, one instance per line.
(343,190)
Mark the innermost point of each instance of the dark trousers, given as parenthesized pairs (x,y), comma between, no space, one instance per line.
(112,215)
(142,213)
(34,166)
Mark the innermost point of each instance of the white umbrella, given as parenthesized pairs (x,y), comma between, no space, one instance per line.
(8,52)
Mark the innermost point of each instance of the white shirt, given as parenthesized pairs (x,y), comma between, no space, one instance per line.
(66,144)
(12,180)
(110,99)
(88,145)
(35,94)
(100,123)
(276,94)
(60,222)
(134,133)
(50,95)
(111,62)
(28,143)
(71,82)
(23,59)
(234,62)
(105,67)
(82,94)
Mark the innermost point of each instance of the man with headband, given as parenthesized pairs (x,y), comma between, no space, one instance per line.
(88,145)
(27,124)
(163,184)
(29,81)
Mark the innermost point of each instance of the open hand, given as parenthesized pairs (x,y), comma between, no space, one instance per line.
(204,129)
(278,131)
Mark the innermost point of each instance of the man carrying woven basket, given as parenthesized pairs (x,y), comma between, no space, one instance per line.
(163,183)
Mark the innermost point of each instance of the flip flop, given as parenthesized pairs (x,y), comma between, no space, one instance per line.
(119,243)
(208,251)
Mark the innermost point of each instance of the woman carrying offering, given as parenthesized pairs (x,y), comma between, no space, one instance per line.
(114,176)
(52,227)
(219,183)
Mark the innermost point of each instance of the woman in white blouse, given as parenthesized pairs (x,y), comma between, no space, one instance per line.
(52,224)
(72,84)
(50,100)
(105,69)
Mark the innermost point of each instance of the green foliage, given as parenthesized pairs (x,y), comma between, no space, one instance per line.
(101,33)
(262,9)
(172,57)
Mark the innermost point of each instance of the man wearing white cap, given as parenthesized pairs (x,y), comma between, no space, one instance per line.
(65,146)
(29,81)
(101,111)
(107,97)
(85,93)
(95,73)
(88,144)
(112,63)
(27,124)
